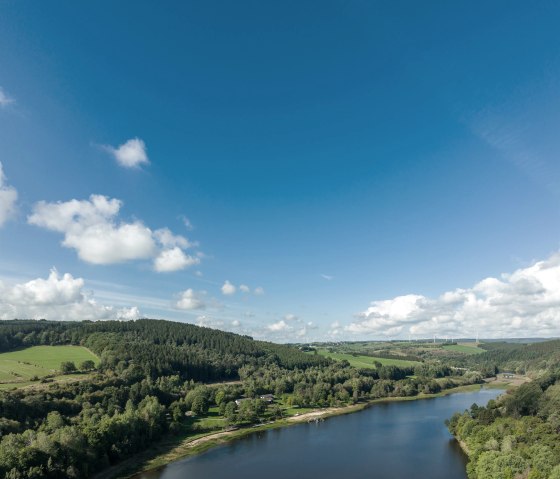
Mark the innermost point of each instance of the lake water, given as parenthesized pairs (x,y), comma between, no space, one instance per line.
(398,440)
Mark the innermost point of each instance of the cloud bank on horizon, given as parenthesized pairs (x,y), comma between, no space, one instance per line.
(524,303)
(59,298)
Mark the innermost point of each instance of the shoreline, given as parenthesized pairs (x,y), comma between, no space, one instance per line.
(148,462)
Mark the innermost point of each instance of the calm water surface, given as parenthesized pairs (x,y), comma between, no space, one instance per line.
(387,441)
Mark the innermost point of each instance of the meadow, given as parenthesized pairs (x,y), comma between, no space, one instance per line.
(361,361)
(25,365)
(463,348)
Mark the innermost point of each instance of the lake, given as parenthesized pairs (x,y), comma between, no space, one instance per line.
(394,440)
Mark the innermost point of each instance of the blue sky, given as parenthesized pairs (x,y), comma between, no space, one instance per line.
(358,162)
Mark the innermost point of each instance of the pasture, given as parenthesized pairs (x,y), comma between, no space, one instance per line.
(24,365)
(361,361)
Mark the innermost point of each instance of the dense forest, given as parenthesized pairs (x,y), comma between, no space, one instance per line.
(155,376)
(516,436)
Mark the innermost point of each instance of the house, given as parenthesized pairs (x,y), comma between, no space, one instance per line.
(267,397)
(508,375)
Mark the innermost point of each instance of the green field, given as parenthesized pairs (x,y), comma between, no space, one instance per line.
(462,348)
(360,361)
(40,361)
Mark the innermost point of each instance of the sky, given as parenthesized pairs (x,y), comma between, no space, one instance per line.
(295,171)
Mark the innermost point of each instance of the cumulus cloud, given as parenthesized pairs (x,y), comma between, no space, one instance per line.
(5,100)
(521,304)
(209,322)
(290,328)
(91,227)
(189,300)
(173,259)
(58,298)
(278,326)
(131,154)
(167,239)
(8,198)
(228,289)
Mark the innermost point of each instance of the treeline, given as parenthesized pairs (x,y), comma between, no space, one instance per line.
(158,348)
(518,358)
(516,436)
(339,384)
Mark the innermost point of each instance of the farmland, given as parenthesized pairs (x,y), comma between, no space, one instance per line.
(361,361)
(463,348)
(25,365)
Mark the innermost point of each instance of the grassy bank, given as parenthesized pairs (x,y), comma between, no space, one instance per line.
(188,443)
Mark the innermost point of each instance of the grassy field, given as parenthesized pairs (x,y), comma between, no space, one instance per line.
(359,361)
(39,361)
(463,348)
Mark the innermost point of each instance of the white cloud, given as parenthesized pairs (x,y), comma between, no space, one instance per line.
(244,288)
(5,100)
(173,259)
(57,298)
(189,300)
(522,304)
(236,323)
(327,277)
(209,322)
(91,227)
(259,290)
(290,328)
(131,154)
(228,289)
(167,239)
(8,198)
(278,326)
(128,314)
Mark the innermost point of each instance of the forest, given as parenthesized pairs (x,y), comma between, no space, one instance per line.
(515,436)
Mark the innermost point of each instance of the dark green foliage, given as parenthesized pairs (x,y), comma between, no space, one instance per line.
(514,357)
(87,365)
(67,367)
(515,436)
